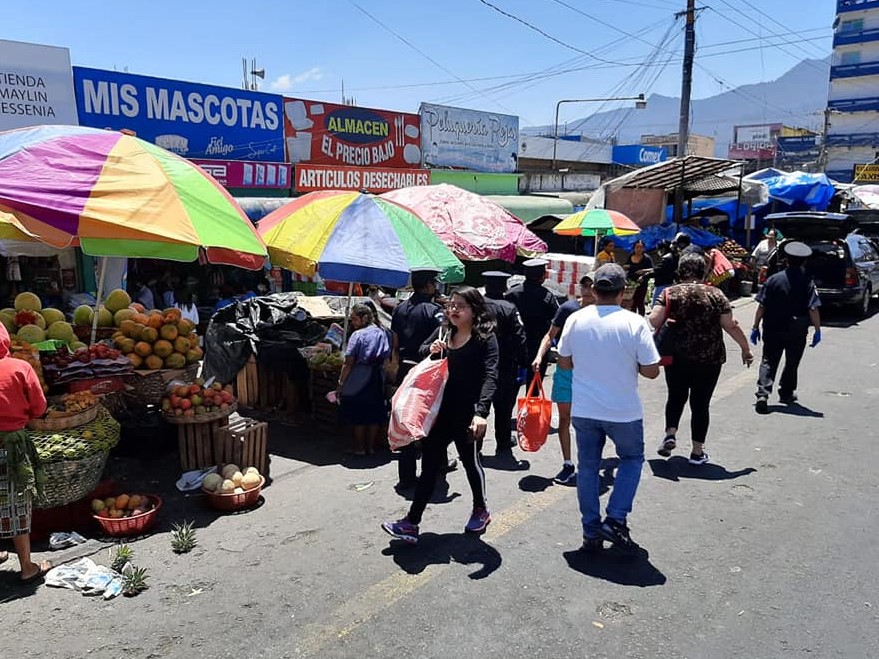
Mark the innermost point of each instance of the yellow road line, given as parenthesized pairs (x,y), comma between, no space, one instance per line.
(386,593)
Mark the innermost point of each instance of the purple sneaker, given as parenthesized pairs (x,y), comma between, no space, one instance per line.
(402,530)
(479,519)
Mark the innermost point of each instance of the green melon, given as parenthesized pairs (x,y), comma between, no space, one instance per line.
(105,317)
(40,322)
(27,301)
(117,300)
(8,323)
(83,315)
(122,315)
(52,316)
(61,331)
(31,334)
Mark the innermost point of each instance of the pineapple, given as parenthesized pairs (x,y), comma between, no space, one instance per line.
(135,581)
(182,538)
(123,554)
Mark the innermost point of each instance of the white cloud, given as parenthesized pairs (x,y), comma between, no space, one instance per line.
(285,82)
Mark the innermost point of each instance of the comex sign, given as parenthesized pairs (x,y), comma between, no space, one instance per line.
(189,119)
(637,154)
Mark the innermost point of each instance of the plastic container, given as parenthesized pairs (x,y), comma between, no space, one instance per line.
(134,525)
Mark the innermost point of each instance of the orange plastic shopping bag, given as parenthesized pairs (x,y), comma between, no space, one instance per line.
(534,417)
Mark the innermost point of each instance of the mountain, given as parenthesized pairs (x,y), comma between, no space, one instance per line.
(797,98)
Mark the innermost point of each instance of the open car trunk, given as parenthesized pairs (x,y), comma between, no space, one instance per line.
(811,228)
(828,264)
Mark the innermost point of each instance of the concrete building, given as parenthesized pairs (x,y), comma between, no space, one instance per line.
(852,119)
(767,145)
(697,145)
(580,164)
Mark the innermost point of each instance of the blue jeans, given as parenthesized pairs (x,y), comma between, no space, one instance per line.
(629,441)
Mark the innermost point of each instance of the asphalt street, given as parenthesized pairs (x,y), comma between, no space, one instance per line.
(769,551)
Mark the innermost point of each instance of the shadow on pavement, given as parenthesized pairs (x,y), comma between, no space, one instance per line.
(505,463)
(843,318)
(676,468)
(534,484)
(13,589)
(441,493)
(610,565)
(796,410)
(445,549)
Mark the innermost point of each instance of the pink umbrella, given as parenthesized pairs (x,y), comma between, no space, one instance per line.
(473,227)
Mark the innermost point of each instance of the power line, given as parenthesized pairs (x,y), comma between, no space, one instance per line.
(765,15)
(422,53)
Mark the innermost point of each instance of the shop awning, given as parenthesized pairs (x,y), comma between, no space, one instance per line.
(672,174)
(528,208)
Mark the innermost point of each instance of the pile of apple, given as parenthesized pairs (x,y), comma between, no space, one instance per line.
(197,399)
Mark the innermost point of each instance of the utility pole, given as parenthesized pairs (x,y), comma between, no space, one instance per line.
(686,92)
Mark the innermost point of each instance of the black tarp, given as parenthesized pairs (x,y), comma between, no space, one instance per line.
(272,327)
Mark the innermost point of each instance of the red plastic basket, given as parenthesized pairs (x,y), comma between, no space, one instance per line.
(134,525)
(232,501)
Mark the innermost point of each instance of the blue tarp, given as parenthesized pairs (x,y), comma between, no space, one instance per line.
(799,190)
(653,235)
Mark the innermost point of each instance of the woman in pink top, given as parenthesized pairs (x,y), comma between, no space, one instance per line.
(21,399)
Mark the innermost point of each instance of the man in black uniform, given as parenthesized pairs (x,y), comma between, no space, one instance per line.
(512,353)
(412,323)
(537,306)
(788,303)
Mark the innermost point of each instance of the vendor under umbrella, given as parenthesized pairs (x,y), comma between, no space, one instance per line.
(21,478)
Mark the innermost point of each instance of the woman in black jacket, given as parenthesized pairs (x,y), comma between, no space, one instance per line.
(472,351)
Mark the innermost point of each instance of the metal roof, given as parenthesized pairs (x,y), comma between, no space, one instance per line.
(674,173)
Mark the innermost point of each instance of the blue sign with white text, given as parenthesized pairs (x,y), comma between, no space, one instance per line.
(639,155)
(192,120)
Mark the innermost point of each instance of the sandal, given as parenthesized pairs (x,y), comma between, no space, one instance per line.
(38,576)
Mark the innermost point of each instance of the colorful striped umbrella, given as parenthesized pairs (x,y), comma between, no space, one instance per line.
(595,222)
(115,195)
(354,237)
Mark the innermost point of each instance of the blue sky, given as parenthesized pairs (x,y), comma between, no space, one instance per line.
(460,52)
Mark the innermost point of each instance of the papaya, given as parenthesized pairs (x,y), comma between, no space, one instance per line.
(163,348)
(169,332)
(149,334)
(181,345)
(136,360)
(143,349)
(154,362)
(185,326)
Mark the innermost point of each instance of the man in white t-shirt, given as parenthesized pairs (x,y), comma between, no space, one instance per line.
(608,347)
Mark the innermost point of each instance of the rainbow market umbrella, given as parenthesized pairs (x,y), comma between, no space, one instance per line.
(597,222)
(112,194)
(356,238)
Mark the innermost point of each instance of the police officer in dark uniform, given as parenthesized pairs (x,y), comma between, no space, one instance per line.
(412,323)
(788,304)
(512,353)
(537,306)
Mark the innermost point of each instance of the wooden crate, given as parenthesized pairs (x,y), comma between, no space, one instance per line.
(244,442)
(324,412)
(259,387)
(247,384)
(196,441)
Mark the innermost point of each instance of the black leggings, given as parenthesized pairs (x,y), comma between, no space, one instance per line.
(434,457)
(696,382)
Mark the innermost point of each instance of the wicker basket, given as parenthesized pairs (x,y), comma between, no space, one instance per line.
(135,525)
(150,386)
(65,421)
(234,501)
(201,418)
(70,480)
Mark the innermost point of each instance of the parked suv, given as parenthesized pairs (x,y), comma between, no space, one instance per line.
(844,265)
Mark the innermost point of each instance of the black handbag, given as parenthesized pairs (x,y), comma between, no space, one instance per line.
(666,337)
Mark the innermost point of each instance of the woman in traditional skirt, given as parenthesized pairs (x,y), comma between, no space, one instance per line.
(21,399)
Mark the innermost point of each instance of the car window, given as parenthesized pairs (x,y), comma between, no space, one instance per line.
(870,252)
(857,246)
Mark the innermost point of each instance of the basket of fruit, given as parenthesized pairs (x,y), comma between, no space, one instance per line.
(73,459)
(69,411)
(231,489)
(198,403)
(126,515)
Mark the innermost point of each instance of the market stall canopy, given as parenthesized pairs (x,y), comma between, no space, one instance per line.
(115,195)
(473,227)
(355,237)
(530,207)
(667,176)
